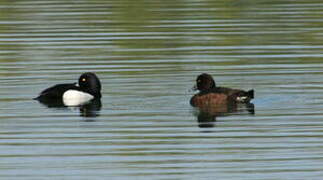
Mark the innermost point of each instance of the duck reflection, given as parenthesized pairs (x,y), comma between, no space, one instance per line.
(91,109)
(206,116)
(88,109)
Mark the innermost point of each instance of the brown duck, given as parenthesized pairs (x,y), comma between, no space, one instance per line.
(211,95)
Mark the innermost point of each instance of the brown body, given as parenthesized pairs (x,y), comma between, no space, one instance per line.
(213,102)
(211,96)
(209,99)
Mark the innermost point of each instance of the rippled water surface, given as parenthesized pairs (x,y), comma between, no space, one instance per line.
(147,55)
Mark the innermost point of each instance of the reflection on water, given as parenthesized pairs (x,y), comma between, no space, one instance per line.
(89,109)
(206,116)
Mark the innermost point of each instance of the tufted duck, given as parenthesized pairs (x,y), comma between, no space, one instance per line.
(88,88)
(212,95)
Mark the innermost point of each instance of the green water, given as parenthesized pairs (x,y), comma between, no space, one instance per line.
(147,55)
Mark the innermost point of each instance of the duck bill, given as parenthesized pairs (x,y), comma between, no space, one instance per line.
(194,88)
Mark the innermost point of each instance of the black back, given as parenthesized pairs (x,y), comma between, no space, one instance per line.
(55,92)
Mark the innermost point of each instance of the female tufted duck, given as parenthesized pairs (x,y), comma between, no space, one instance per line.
(211,95)
(88,88)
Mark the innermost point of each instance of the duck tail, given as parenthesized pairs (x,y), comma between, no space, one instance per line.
(245,96)
(250,93)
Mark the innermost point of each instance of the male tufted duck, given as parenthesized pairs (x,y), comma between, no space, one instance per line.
(88,88)
(211,95)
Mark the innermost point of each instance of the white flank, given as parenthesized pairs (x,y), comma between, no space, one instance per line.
(241,98)
(76,98)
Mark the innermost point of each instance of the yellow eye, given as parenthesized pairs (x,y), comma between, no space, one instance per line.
(83,79)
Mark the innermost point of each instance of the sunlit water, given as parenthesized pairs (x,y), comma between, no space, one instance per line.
(147,55)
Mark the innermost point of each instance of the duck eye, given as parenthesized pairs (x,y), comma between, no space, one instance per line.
(83,79)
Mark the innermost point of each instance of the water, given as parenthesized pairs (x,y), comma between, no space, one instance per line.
(147,55)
